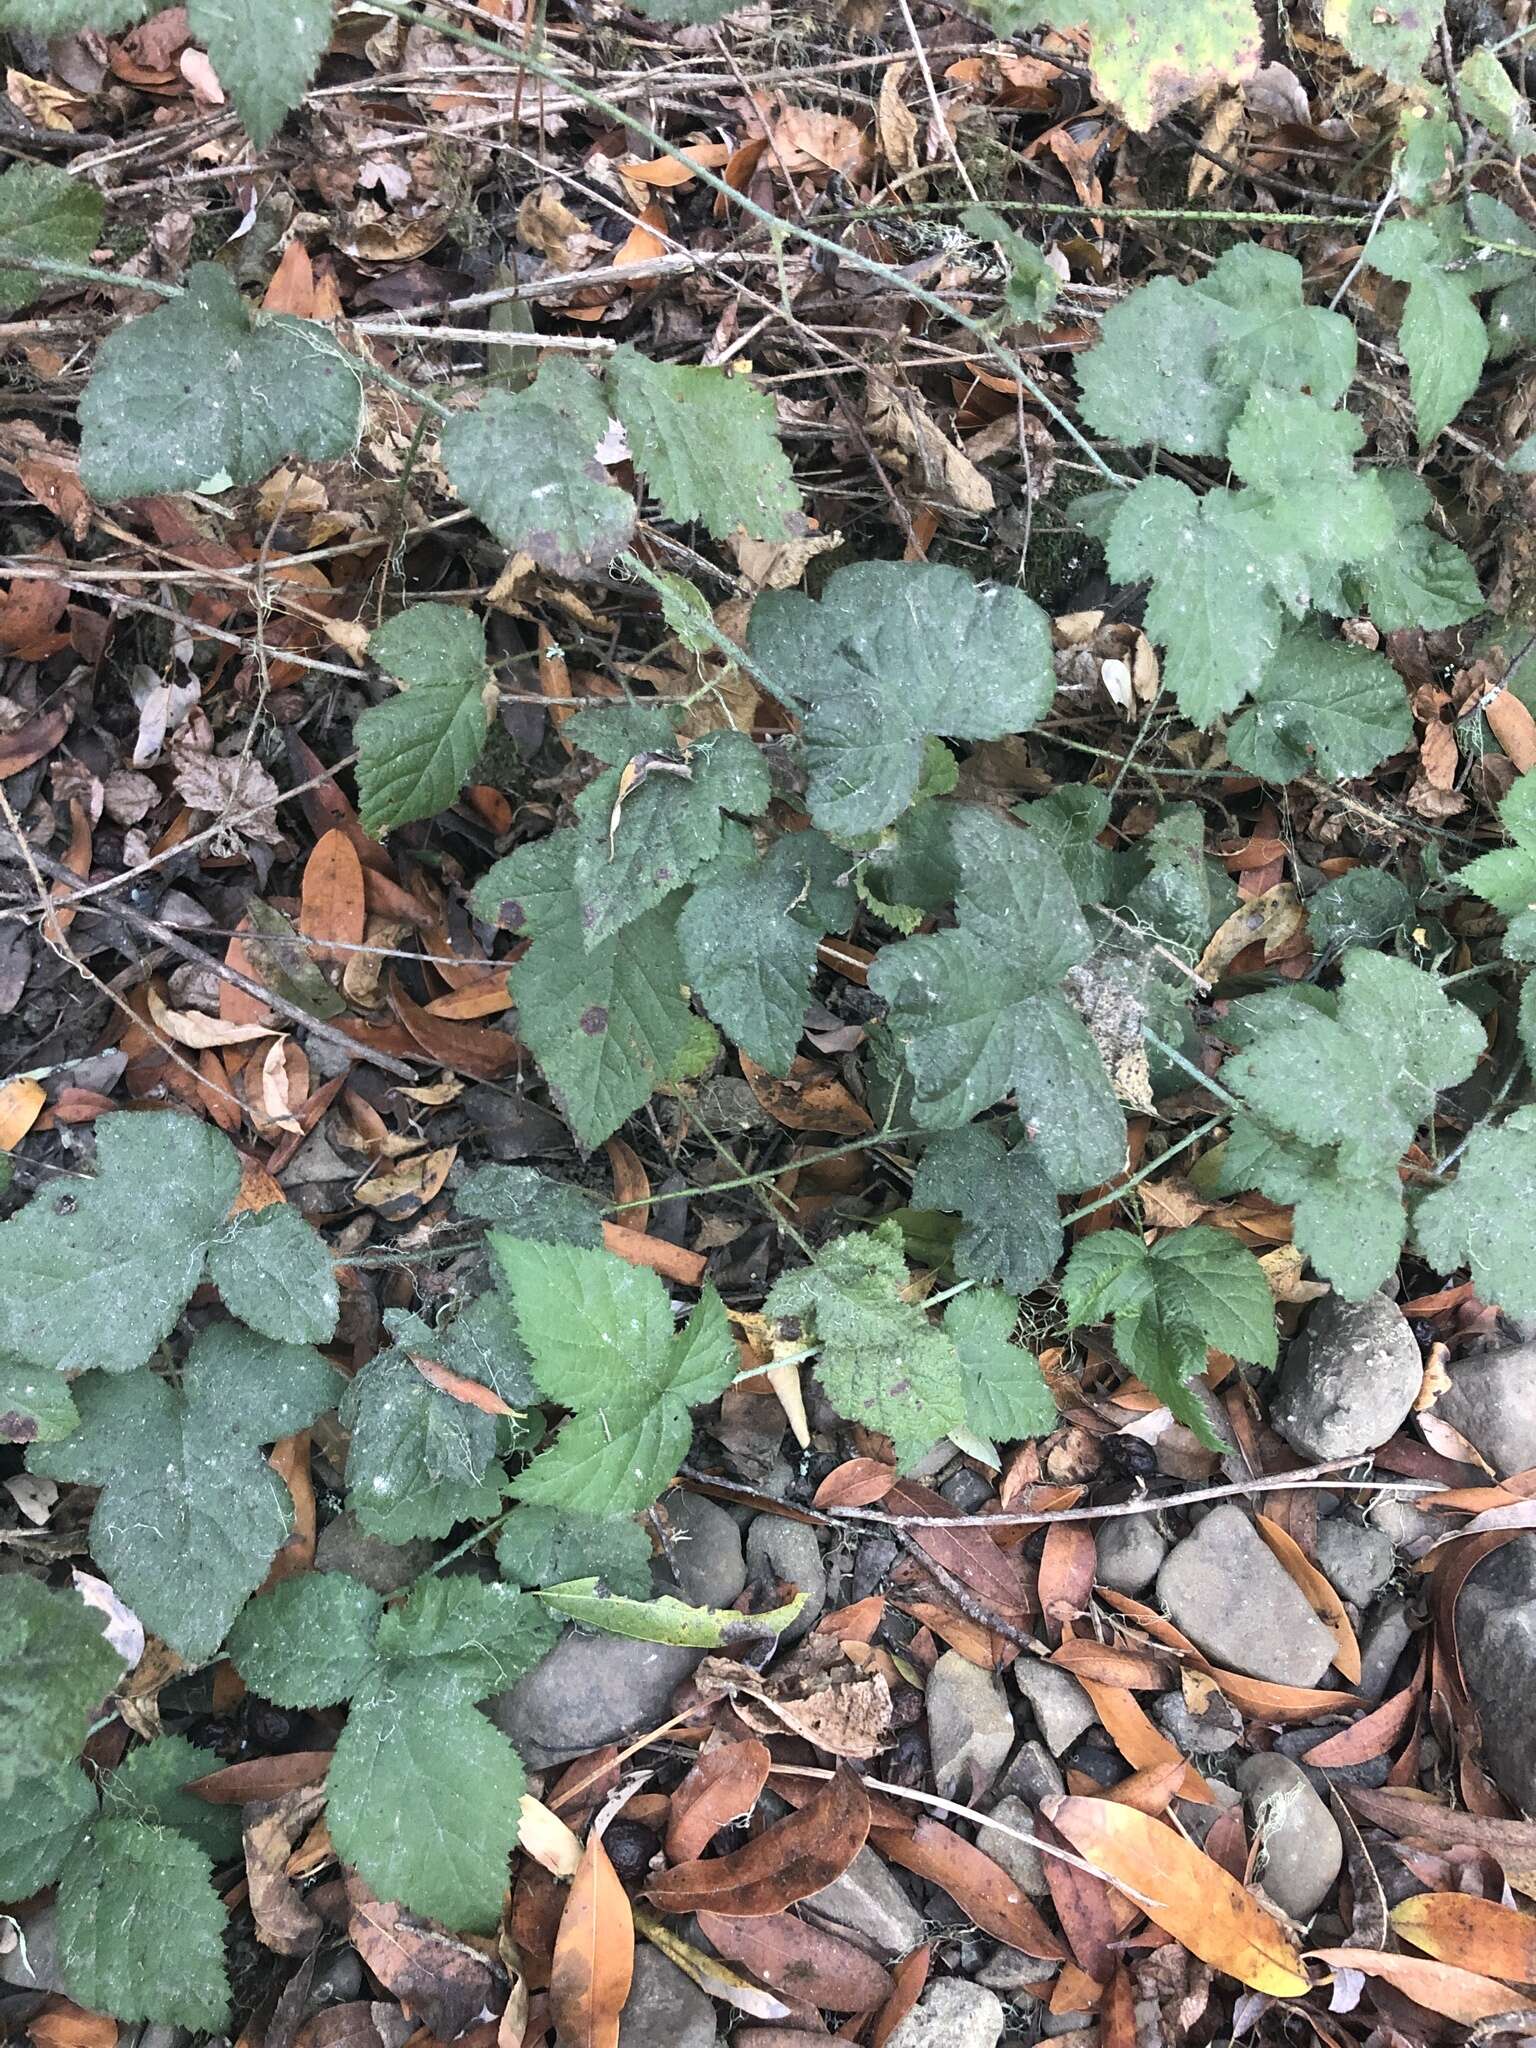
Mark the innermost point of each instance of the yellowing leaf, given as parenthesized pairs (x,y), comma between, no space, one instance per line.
(1496,1940)
(1455,1994)
(1182,1891)
(594,1955)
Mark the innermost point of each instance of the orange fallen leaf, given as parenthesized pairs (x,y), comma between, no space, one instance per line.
(797,1856)
(1454,1994)
(332,911)
(594,1954)
(459,1388)
(976,1883)
(671,1261)
(21,1103)
(1319,1594)
(1496,1941)
(1182,1891)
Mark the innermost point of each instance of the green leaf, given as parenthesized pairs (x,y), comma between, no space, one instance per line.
(600,1335)
(310,1641)
(608,1026)
(1488,94)
(35,1405)
(96,1272)
(418,1461)
(526,1203)
(1416,579)
(649,827)
(1006,1396)
(43,213)
(1307,513)
(667,1619)
(696,12)
(190,1514)
(1030,288)
(1211,604)
(282,959)
(464,1637)
(749,934)
(707,443)
(141,1928)
(1193,1290)
(1349,1224)
(892,654)
(40,1822)
(422,1799)
(978,1013)
(266,53)
(541,1546)
(1506,878)
(1175,363)
(1011,1229)
(1070,819)
(418,749)
(1149,62)
(1393,39)
(1486,1219)
(203,393)
(882,1363)
(1183,894)
(1443,337)
(1364,907)
(1323,707)
(526,463)
(149,1784)
(275,1273)
(52,18)
(481,1342)
(56,1667)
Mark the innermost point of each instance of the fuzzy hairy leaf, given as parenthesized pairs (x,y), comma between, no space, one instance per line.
(141,1928)
(310,1641)
(56,1667)
(978,1013)
(882,1363)
(1175,363)
(1194,1290)
(526,463)
(417,749)
(750,932)
(35,1404)
(1362,907)
(1322,707)
(891,654)
(52,18)
(275,1273)
(1010,1216)
(1393,40)
(203,393)
(43,213)
(149,1784)
(1416,579)
(600,1335)
(1182,894)
(541,1546)
(266,53)
(94,1272)
(707,444)
(418,1461)
(190,1515)
(1486,1219)
(1441,331)
(608,1026)
(40,1822)
(526,1203)
(463,1638)
(1006,1396)
(667,826)
(1211,604)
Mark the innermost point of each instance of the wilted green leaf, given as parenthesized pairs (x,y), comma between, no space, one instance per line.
(43,213)
(707,444)
(190,1514)
(1030,287)
(882,1363)
(666,1619)
(892,653)
(204,393)
(96,1272)
(1361,908)
(526,1203)
(526,462)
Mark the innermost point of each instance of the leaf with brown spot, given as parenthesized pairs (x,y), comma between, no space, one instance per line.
(975,1882)
(800,1961)
(1184,1892)
(791,1860)
(724,1785)
(594,1954)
